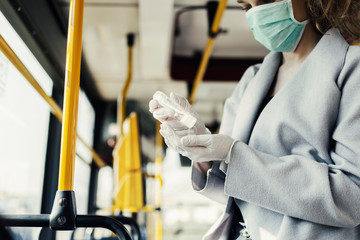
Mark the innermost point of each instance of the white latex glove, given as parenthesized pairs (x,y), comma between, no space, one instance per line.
(199,148)
(160,112)
(204,148)
(168,116)
(171,139)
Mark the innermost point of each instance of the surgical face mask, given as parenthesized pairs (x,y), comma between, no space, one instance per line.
(275,27)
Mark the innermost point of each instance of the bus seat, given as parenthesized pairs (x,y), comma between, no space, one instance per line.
(128,183)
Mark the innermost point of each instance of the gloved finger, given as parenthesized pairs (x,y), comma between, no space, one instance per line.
(170,138)
(182,101)
(196,140)
(164,114)
(178,128)
(185,132)
(168,132)
(169,143)
(174,147)
(163,132)
(153,105)
(176,125)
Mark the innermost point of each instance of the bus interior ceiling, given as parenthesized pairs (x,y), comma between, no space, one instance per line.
(170,37)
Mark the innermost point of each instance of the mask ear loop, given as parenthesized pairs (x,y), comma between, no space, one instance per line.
(291,10)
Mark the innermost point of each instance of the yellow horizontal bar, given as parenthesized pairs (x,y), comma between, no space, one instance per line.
(208,49)
(55,108)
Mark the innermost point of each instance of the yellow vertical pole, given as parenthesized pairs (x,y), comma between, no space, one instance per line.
(71,95)
(123,151)
(158,163)
(122,101)
(208,49)
(158,171)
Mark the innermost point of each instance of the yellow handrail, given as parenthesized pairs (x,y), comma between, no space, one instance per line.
(128,190)
(208,49)
(55,108)
(71,96)
(10,54)
(158,159)
(158,171)
(97,159)
(127,163)
(122,110)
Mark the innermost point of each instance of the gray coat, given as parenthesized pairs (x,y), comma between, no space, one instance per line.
(295,169)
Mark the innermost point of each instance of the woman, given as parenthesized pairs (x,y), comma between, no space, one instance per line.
(288,152)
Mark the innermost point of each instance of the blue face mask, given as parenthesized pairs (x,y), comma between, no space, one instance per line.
(275,27)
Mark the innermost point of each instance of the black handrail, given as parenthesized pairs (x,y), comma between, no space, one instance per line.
(104,222)
(135,228)
(43,220)
(25,220)
(132,223)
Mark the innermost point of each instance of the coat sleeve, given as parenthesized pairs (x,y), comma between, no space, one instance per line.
(300,187)
(212,185)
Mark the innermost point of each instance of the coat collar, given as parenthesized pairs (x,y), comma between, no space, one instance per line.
(257,89)
(330,51)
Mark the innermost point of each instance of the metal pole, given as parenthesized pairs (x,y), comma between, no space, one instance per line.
(71,96)
(208,49)
(122,103)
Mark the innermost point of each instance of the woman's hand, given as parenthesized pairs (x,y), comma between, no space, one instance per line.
(204,148)
(168,116)
(199,148)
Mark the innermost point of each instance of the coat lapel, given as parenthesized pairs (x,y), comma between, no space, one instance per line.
(253,97)
(319,63)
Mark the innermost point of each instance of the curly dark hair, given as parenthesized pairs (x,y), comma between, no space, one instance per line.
(341,14)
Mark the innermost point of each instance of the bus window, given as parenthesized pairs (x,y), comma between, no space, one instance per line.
(24,121)
(85,129)
(105,188)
